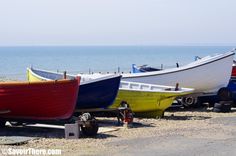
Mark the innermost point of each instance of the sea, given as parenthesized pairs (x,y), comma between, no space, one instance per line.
(85,59)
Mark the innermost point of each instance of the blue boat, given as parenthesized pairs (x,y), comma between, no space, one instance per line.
(96,93)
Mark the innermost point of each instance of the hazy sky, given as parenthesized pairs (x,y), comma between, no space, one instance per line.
(117,22)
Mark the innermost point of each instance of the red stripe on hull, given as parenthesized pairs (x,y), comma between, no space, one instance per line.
(50,100)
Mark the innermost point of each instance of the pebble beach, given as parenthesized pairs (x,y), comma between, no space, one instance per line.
(181,132)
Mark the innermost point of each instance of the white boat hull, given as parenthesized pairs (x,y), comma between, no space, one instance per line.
(206,76)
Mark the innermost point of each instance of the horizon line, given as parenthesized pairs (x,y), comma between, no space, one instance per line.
(116,45)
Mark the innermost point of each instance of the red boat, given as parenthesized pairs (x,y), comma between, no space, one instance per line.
(38,101)
(233,71)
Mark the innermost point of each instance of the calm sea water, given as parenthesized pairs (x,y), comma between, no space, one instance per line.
(15,60)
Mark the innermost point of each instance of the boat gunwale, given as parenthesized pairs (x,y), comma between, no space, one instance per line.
(161,91)
(74,76)
(176,70)
(11,83)
(162,88)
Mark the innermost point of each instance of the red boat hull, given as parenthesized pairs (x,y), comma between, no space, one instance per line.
(52,100)
(233,71)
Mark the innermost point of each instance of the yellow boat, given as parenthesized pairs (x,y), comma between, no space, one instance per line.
(147,100)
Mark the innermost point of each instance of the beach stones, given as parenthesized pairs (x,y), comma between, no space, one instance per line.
(15,140)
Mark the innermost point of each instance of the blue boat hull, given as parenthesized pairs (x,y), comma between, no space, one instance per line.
(100,94)
(97,93)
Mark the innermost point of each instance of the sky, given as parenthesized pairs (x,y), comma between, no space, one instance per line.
(117,22)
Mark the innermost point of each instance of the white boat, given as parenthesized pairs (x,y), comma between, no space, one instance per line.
(208,74)
(205,75)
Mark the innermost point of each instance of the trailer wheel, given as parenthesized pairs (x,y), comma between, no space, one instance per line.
(90,129)
(224,94)
(190,101)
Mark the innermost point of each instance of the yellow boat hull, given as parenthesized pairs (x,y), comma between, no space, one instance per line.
(146,104)
(32,78)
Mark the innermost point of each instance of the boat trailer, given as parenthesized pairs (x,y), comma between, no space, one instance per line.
(84,120)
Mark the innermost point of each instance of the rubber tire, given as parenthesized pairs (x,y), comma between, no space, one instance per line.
(184,103)
(218,105)
(223,106)
(217,110)
(226,108)
(91,130)
(224,94)
(226,102)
